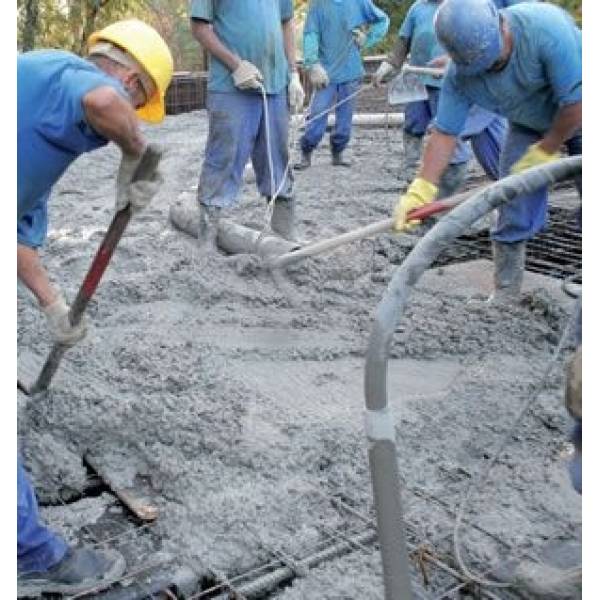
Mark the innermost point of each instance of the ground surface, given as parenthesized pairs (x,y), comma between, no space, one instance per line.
(236,405)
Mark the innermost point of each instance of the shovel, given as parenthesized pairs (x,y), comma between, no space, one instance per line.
(407,85)
(147,166)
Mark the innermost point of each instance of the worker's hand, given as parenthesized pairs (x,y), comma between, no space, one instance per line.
(247,76)
(359,37)
(137,193)
(385,68)
(318,76)
(532,158)
(295,93)
(419,193)
(57,317)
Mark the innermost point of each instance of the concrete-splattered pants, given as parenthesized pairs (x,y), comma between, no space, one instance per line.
(237,132)
(38,548)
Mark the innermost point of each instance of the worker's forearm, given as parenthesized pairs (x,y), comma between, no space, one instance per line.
(437,155)
(399,52)
(205,35)
(566,123)
(114,118)
(31,272)
(289,42)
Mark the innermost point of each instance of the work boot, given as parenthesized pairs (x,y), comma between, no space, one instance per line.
(283,218)
(81,569)
(305,161)
(208,229)
(509,268)
(411,156)
(338,160)
(452,179)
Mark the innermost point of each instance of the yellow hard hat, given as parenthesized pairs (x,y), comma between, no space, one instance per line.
(146,45)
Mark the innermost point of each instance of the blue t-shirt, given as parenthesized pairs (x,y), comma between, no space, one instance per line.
(543,73)
(328,35)
(51,129)
(423,44)
(252,30)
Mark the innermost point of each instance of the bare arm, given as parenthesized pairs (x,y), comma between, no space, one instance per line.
(31,272)
(289,41)
(114,118)
(399,52)
(566,123)
(436,156)
(204,33)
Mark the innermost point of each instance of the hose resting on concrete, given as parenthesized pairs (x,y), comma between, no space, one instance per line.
(378,419)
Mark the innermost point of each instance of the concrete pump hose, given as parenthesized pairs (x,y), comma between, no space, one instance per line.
(378,420)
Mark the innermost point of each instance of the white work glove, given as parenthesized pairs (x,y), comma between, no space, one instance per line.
(385,68)
(57,317)
(247,76)
(135,193)
(360,37)
(295,93)
(318,76)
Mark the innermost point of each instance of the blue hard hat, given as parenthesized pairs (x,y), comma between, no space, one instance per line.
(470,32)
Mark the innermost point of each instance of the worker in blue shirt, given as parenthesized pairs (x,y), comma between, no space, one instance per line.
(66,106)
(333,40)
(484,129)
(252,78)
(523,62)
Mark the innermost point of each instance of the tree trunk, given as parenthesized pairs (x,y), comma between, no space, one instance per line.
(31,24)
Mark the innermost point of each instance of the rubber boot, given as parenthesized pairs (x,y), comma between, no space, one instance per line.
(338,160)
(509,268)
(283,218)
(208,229)
(410,158)
(305,161)
(452,179)
(80,570)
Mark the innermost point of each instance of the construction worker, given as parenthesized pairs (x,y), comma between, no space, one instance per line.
(484,129)
(252,78)
(333,40)
(522,62)
(66,106)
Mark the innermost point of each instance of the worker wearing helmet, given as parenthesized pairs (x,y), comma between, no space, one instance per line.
(253,83)
(523,62)
(484,129)
(333,40)
(66,106)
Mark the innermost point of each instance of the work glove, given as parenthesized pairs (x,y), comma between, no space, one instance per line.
(318,76)
(247,76)
(57,317)
(359,37)
(385,68)
(137,193)
(295,93)
(419,193)
(532,158)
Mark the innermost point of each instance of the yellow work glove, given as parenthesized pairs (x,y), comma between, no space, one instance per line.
(419,193)
(532,158)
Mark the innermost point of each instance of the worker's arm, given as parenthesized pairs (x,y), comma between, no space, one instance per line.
(113,117)
(204,33)
(379,24)
(437,155)
(566,123)
(399,52)
(289,41)
(31,272)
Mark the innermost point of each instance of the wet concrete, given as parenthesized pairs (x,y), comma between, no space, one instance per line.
(238,402)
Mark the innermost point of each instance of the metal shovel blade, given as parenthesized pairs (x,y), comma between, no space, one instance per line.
(406,87)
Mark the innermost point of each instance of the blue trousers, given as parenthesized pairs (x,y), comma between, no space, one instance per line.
(237,132)
(38,549)
(323,100)
(524,216)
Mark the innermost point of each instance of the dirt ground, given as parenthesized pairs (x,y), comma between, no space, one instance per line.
(235,404)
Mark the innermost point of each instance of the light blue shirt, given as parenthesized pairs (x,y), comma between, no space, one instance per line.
(51,129)
(328,35)
(543,73)
(252,30)
(418,29)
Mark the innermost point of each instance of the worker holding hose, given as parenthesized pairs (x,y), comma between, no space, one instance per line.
(333,40)
(484,129)
(522,62)
(67,105)
(253,83)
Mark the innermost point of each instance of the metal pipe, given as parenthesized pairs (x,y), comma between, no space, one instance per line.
(379,422)
(395,119)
